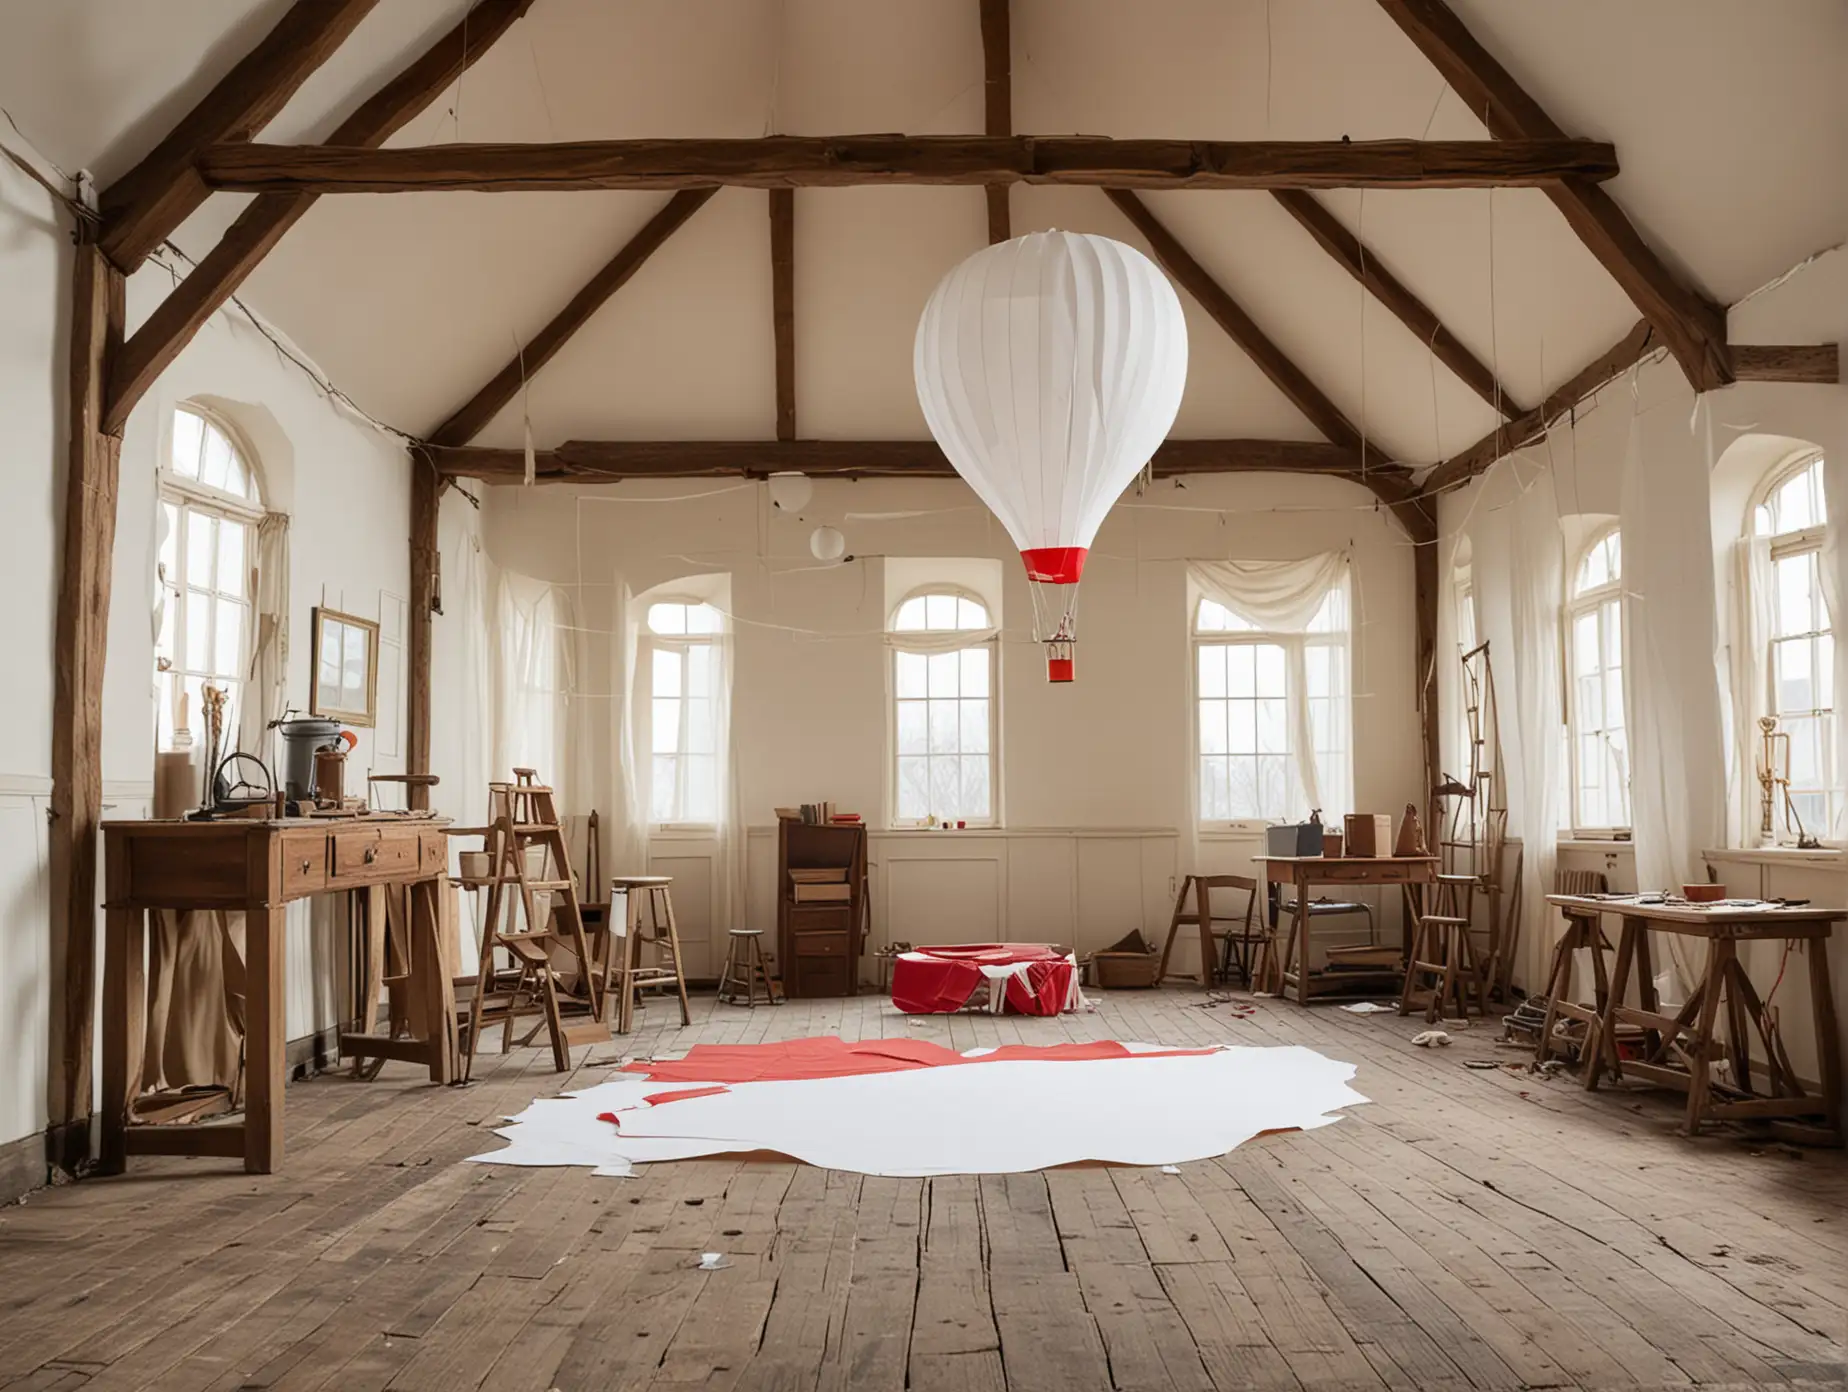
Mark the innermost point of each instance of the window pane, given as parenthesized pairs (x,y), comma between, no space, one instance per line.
(1241,670)
(945,674)
(1215,791)
(975,672)
(700,734)
(1794,658)
(940,611)
(665,735)
(666,664)
(1242,727)
(1270,670)
(703,618)
(700,789)
(667,618)
(910,616)
(1792,504)
(231,578)
(969,614)
(914,789)
(1805,751)
(1316,671)
(913,727)
(200,545)
(1590,711)
(199,633)
(215,467)
(1610,617)
(662,801)
(1213,727)
(1273,727)
(1825,672)
(1211,660)
(1793,577)
(699,670)
(943,727)
(912,674)
(975,727)
(228,639)
(975,800)
(945,786)
(188,434)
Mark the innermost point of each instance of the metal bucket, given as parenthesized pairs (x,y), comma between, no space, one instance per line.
(300,739)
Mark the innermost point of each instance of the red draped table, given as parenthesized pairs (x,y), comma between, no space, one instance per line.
(1026,978)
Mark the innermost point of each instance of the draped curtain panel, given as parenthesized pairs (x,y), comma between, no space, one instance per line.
(1671,684)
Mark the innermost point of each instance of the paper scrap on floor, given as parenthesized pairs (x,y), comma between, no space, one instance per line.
(910,1107)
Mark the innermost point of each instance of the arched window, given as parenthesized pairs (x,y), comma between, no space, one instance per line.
(1273,715)
(683,715)
(209,511)
(1791,518)
(943,720)
(1600,759)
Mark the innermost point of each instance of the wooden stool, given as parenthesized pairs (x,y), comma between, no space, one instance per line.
(1442,949)
(630,974)
(745,967)
(1583,930)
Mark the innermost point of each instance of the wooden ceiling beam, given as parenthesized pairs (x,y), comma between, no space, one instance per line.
(604,461)
(1271,360)
(997,104)
(783,306)
(843,161)
(1688,323)
(258,229)
(472,417)
(1361,263)
(1802,362)
(142,208)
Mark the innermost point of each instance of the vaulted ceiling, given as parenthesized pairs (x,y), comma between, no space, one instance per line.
(1729,121)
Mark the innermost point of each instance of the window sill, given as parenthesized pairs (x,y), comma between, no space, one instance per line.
(1594,843)
(1825,858)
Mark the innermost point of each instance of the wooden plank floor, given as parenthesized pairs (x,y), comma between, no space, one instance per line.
(1467,1229)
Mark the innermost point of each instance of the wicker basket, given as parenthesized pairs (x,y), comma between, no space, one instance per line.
(1117,971)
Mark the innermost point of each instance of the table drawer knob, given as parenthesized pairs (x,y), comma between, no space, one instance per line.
(372,854)
(305,866)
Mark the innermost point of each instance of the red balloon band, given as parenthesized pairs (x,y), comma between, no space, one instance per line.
(1055,565)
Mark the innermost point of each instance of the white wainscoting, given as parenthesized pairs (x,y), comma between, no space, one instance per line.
(25,910)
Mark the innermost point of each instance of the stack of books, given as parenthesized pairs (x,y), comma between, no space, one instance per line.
(819,814)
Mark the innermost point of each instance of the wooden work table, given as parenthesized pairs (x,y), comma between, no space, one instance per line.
(1679,1050)
(1410,873)
(256,868)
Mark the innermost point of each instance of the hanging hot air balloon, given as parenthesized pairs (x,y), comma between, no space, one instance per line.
(1049,369)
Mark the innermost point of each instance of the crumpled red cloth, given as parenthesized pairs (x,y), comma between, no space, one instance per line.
(831,1057)
(940,980)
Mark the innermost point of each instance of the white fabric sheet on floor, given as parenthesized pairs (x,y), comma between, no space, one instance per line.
(999,1118)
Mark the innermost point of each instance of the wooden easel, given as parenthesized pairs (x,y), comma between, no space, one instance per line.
(571,1009)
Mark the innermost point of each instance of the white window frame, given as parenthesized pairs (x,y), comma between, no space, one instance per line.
(190,498)
(1254,637)
(651,644)
(993,646)
(1598,601)
(1810,540)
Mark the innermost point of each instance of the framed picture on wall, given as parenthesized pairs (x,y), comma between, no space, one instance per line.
(345,667)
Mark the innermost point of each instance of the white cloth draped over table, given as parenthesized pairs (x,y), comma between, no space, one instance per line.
(1671,682)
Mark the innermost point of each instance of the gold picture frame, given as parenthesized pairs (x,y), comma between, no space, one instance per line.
(343,668)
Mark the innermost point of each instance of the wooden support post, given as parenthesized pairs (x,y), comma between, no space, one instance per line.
(1424,618)
(91,472)
(426,494)
(997,104)
(783,306)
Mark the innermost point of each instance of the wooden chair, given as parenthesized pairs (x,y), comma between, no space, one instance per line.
(631,974)
(745,970)
(1443,950)
(1251,935)
(1582,931)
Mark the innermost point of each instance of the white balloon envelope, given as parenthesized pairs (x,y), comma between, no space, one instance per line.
(1050,367)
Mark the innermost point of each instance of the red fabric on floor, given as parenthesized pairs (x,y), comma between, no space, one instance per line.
(831,1057)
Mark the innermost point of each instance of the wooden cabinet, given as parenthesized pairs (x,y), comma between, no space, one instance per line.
(819,944)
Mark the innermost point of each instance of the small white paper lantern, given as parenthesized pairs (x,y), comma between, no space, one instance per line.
(827,544)
(790,491)
(1049,369)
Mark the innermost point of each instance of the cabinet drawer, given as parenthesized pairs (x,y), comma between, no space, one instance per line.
(304,866)
(825,944)
(373,854)
(1381,871)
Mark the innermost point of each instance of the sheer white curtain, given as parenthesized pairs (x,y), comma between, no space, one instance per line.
(1748,639)
(535,660)
(1536,564)
(1283,599)
(1835,590)
(1671,682)
(625,830)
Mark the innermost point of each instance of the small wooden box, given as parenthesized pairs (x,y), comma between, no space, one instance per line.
(1367,834)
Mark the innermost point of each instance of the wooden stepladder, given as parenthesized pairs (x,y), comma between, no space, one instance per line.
(529,862)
